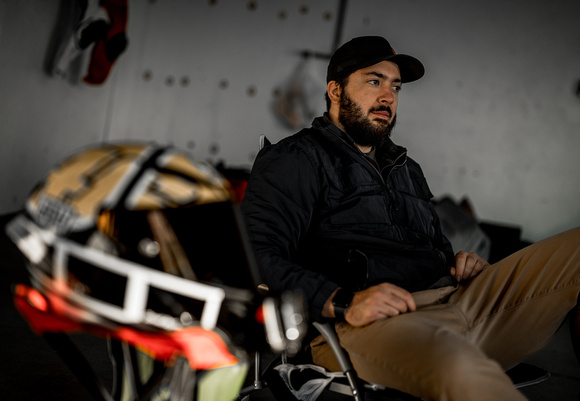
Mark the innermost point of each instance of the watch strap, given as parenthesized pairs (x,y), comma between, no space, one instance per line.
(341,301)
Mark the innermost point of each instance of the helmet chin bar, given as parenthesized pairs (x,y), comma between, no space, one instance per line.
(139,280)
(284,317)
(34,242)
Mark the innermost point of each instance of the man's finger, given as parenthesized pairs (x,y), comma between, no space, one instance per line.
(460,259)
(403,298)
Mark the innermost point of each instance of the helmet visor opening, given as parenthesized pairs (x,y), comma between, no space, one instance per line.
(211,236)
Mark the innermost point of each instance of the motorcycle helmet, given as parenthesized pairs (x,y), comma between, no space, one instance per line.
(141,243)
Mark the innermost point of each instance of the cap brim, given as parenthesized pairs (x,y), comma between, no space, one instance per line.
(411,68)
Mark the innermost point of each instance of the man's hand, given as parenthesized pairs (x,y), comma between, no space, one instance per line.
(467,265)
(376,302)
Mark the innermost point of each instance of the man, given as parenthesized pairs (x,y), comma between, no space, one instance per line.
(341,212)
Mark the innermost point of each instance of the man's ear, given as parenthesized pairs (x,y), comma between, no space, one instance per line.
(334,91)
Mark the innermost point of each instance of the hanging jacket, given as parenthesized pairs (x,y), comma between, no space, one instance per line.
(320,214)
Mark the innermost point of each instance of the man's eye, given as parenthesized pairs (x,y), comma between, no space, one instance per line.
(374,81)
(397,88)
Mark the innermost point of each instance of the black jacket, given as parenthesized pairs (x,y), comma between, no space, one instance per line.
(320,214)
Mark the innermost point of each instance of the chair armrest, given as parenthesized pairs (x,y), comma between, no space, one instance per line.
(327,331)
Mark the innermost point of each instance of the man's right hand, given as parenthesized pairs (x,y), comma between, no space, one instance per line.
(379,301)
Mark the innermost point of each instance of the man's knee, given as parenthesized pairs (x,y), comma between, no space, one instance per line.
(466,374)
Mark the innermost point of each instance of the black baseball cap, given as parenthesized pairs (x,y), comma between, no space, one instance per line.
(365,51)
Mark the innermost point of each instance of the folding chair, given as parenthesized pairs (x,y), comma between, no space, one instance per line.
(347,383)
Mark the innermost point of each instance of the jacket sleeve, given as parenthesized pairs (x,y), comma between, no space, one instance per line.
(278,206)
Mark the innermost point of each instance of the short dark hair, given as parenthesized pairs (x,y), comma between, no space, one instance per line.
(341,81)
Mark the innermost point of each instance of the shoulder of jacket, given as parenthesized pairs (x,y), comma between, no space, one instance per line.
(414,166)
(291,150)
(309,141)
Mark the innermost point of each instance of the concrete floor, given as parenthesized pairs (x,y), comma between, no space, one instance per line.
(32,370)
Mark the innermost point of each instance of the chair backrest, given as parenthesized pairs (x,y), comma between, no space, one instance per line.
(264,142)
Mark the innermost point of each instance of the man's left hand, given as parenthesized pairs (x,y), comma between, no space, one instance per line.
(467,265)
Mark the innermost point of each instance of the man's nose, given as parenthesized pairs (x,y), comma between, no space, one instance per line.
(387,96)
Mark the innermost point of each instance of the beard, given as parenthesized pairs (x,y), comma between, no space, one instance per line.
(359,127)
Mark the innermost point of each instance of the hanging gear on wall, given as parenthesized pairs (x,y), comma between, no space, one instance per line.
(300,100)
(93,29)
(107,49)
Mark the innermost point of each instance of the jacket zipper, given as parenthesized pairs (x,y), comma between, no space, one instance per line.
(393,165)
(379,173)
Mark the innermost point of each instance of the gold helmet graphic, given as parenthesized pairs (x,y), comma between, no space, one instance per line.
(129,177)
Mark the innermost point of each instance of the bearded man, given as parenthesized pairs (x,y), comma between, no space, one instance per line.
(343,214)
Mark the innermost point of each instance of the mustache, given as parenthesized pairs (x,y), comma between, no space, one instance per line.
(382,108)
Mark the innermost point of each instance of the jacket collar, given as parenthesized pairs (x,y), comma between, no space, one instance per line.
(387,154)
(390,154)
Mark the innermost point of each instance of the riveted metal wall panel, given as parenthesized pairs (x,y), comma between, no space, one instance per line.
(204,75)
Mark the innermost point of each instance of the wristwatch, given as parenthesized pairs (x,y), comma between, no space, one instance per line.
(341,301)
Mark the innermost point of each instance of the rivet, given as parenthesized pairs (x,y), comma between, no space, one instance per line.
(214,149)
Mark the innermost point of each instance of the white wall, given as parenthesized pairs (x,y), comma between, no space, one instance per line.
(496,117)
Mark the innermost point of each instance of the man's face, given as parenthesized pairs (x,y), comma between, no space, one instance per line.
(368,103)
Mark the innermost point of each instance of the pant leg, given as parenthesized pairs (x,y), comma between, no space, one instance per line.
(425,353)
(514,307)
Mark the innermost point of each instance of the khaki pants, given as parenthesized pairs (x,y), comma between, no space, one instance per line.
(459,342)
